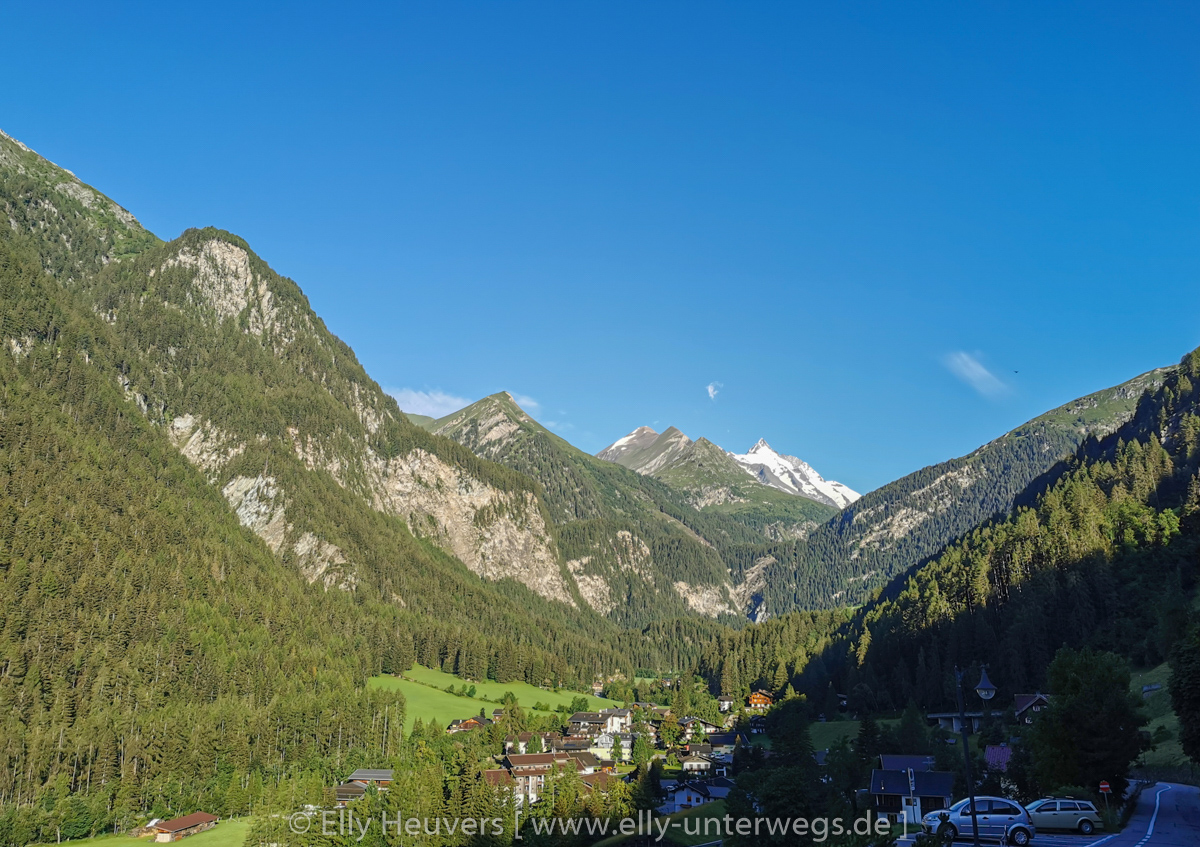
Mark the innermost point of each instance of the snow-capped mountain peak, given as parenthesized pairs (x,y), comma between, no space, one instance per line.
(795,476)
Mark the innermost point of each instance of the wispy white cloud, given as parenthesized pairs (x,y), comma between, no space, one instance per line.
(525,402)
(435,404)
(559,426)
(970,370)
(714,388)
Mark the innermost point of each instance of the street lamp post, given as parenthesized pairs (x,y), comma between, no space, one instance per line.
(986,691)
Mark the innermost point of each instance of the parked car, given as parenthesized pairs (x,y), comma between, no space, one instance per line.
(1065,813)
(998,818)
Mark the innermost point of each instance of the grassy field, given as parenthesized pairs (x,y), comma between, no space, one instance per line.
(675,834)
(230,833)
(425,697)
(1162,717)
(825,734)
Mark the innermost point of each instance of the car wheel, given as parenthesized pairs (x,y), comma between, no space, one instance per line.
(1086,827)
(1019,837)
(947,832)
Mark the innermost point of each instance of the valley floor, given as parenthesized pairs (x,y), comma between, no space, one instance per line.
(426,698)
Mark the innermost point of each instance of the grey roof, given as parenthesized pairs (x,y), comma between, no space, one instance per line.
(719,739)
(928,783)
(370,775)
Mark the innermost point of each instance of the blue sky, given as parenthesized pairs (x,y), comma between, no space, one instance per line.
(882,233)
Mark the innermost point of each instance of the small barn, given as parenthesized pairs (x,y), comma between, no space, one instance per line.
(178,828)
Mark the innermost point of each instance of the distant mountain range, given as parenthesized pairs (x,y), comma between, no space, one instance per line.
(227,362)
(652,454)
(795,476)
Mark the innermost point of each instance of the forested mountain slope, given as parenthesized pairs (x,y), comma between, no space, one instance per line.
(892,529)
(1105,558)
(214,527)
(636,548)
(144,634)
(228,360)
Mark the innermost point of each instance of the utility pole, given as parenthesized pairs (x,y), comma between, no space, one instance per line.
(962,727)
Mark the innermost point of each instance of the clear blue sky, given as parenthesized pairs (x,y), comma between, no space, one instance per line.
(858,219)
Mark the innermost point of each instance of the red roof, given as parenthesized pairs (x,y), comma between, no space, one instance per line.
(997,757)
(499,776)
(186,822)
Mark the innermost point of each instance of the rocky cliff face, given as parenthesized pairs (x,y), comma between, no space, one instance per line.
(627,540)
(496,533)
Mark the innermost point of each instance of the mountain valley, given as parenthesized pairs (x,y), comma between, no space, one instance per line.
(217,528)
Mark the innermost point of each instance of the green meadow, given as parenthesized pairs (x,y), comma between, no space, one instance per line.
(825,734)
(426,698)
(227,833)
(1164,723)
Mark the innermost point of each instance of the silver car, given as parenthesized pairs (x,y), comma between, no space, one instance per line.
(1065,813)
(997,817)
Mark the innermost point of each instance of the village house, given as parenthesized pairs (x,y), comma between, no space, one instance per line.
(725,702)
(1028,706)
(724,743)
(177,828)
(594,723)
(620,720)
(601,781)
(703,764)
(602,745)
(526,774)
(518,743)
(585,762)
(693,793)
(529,771)
(467,724)
(572,743)
(897,799)
(691,726)
(760,701)
(500,778)
(758,725)
(348,792)
(355,785)
(379,777)
(586,723)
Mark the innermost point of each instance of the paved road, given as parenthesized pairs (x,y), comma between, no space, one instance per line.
(1168,815)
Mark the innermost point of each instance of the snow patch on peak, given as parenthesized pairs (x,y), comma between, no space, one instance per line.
(792,475)
(640,438)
